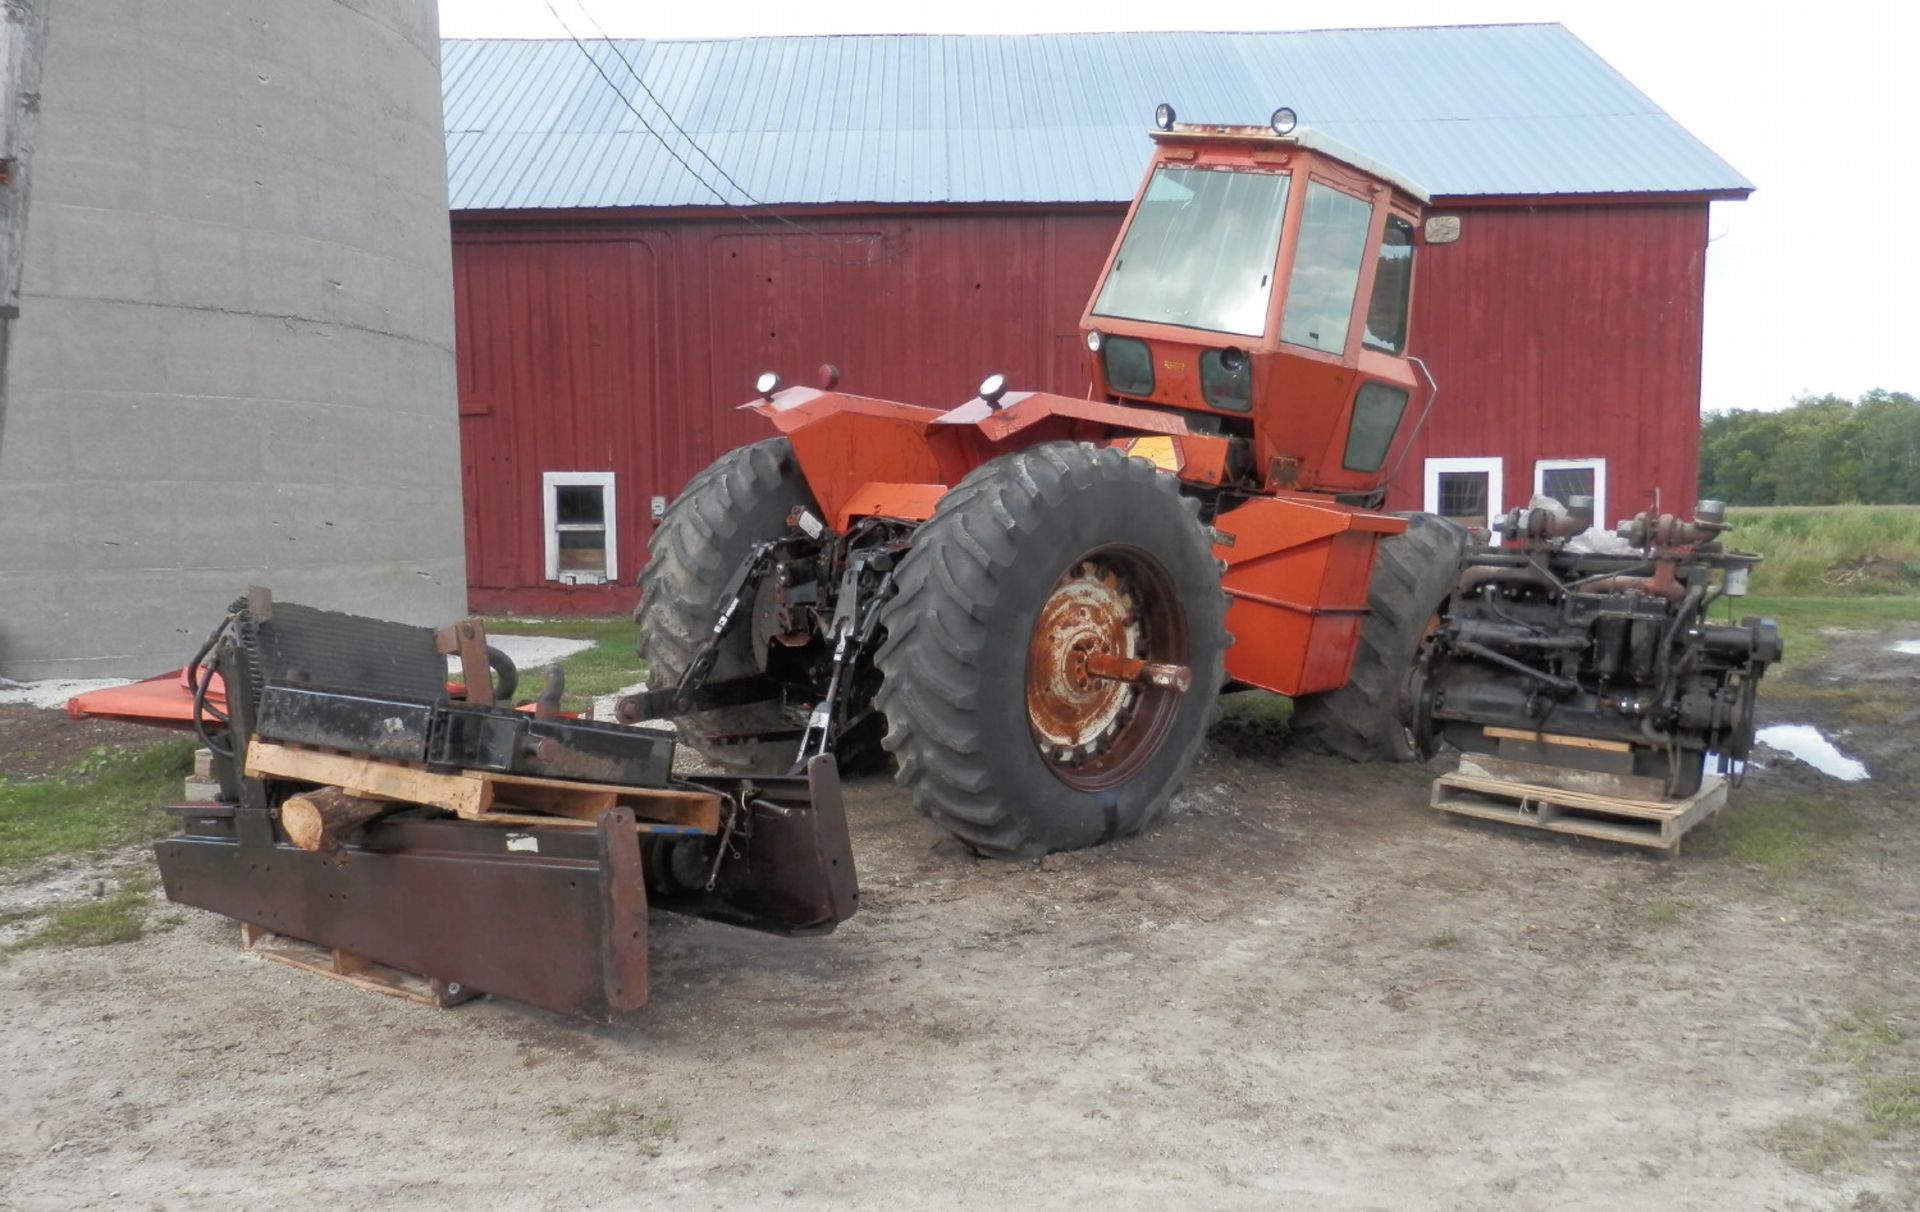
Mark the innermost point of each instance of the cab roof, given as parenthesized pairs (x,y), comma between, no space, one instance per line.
(1304,137)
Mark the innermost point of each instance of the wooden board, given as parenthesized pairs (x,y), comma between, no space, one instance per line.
(351,969)
(697,808)
(1567,778)
(524,819)
(1554,738)
(477,794)
(463,794)
(1659,824)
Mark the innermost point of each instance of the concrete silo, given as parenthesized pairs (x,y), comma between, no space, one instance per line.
(233,362)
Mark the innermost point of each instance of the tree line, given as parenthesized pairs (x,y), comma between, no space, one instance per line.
(1824,450)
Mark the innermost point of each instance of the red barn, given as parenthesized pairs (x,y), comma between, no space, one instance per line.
(642,227)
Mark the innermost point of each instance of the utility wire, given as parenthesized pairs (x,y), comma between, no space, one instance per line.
(708,185)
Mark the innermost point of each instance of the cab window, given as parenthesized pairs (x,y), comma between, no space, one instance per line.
(1200,251)
(1326,270)
(1392,281)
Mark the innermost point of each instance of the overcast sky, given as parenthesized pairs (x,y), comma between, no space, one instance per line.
(1810,286)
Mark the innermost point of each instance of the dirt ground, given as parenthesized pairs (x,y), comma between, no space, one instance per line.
(37,743)
(1303,991)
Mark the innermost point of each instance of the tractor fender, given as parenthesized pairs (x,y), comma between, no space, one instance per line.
(863,456)
(1020,410)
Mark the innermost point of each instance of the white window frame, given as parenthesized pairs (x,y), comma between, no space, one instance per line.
(1541,467)
(1493,465)
(550,483)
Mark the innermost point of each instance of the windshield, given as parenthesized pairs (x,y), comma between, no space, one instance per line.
(1199,252)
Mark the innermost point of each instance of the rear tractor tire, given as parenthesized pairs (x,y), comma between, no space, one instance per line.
(1367,720)
(1022,608)
(743,498)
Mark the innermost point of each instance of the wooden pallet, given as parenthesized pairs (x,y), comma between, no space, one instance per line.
(486,796)
(1657,824)
(351,969)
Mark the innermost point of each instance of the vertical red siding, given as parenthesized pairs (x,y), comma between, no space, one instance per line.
(1563,332)
(624,348)
(560,369)
(1556,332)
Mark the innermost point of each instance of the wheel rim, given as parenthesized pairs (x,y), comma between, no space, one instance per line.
(1097,731)
(1408,711)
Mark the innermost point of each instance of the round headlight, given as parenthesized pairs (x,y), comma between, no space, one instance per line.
(767,383)
(1093,340)
(993,387)
(1163,116)
(1284,121)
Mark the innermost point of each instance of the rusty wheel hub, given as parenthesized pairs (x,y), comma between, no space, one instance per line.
(1073,711)
(1090,667)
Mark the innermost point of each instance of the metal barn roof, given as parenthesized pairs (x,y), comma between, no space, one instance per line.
(1464,110)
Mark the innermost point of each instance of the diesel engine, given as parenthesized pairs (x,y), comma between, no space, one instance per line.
(1570,648)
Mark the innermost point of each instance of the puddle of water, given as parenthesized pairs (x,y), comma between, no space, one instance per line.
(1909,647)
(1811,746)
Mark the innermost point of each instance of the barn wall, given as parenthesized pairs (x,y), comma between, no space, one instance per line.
(625,346)
(1567,332)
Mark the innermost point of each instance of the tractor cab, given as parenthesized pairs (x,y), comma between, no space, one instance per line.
(1262,287)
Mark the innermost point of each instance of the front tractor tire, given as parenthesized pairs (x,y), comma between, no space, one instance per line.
(1026,610)
(742,499)
(1367,720)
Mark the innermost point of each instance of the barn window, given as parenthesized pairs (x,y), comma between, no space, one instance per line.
(580,528)
(1465,490)
(1392,280)
(1326,270)
(1565,478)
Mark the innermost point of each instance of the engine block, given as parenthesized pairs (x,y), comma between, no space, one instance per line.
(1599,655)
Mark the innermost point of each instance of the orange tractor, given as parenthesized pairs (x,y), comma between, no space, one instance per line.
(1033,601)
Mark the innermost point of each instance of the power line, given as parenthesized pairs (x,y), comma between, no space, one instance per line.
(709,186)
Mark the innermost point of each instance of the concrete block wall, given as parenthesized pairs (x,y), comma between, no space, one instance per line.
(234,359)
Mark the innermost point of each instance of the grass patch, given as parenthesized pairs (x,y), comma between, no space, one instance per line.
(610,665)
(1891,1105)
(1832,550)
(618,1121)
(118,917)
(1253,724)
(1868,703)
(1874,1046)
(1815,1145)
(1257,707)
(1862,1035)
(1783,835)
(1444,940)
(1659,915)
(1801,620)
(109,799)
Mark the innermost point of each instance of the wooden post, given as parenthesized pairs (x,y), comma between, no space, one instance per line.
(316,820)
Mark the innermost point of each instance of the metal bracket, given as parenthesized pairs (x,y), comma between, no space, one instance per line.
(740,586)
(855,619)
